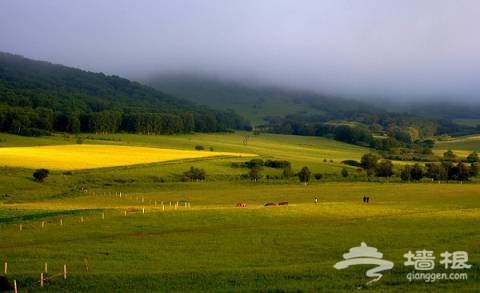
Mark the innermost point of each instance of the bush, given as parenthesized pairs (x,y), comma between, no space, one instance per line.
(194,174)
(318,176)
(352,163)
(277,164)
(199,147)
(40,174)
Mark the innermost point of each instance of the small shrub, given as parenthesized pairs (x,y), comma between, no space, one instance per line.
(318,176)
(40,174)
(199,147)
(352,163)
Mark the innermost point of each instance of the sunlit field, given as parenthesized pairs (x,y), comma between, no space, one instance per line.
(140,228)
(80,156)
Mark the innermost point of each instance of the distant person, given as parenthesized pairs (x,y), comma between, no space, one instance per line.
(316,200)
(364,199)
(368,199)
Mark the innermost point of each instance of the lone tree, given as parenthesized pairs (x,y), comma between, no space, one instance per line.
(40,174)
(369,163)
(304,175)
(255,173)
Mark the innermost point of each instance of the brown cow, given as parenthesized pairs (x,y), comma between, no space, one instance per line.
(269,204)
(283,203)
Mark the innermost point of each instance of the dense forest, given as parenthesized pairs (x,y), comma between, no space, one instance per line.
(37,97)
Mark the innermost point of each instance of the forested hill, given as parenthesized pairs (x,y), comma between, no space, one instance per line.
(37,97)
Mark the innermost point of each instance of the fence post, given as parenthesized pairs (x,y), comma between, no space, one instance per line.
(64,272)
(43,224)
(6,268)
(21,227)
(45,268)
(41,280)
(15,286)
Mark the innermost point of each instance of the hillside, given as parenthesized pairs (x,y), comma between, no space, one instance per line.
(37,97)
(254,101)
(299,112)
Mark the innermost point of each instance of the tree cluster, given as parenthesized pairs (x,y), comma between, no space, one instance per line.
(194,174)
(374,165)
(449,168)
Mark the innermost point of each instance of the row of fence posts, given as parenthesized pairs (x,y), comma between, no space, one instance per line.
(82,219)
(42,275)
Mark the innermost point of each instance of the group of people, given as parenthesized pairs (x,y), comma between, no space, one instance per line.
(366,199)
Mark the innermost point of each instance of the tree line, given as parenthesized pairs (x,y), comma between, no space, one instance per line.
(39,97)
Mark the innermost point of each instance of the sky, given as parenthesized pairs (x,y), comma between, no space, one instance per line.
(398,49)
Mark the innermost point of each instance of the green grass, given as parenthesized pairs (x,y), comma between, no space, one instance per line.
(461,145)
(212,246)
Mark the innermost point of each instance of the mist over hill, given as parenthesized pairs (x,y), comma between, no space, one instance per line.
(256,100)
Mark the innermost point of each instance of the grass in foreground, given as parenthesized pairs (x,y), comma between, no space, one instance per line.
(216,247)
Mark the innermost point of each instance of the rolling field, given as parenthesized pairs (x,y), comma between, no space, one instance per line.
(462,146)
(138,228)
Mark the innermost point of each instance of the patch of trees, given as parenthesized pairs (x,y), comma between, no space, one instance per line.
(253,163)
(39,97)
(373,165)
(374,128)
(449,168)
(194,174)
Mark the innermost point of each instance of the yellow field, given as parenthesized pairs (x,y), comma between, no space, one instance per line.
(71,157)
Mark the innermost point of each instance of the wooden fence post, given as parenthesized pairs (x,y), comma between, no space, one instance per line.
(41,280)
(6,268)
(64,272)
(15,286)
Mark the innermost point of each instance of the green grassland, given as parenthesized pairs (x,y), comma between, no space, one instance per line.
(461,145)
(122,231)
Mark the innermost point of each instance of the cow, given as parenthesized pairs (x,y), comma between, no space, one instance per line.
(241,205)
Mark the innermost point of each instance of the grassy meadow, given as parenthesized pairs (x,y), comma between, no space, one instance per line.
(138,228)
